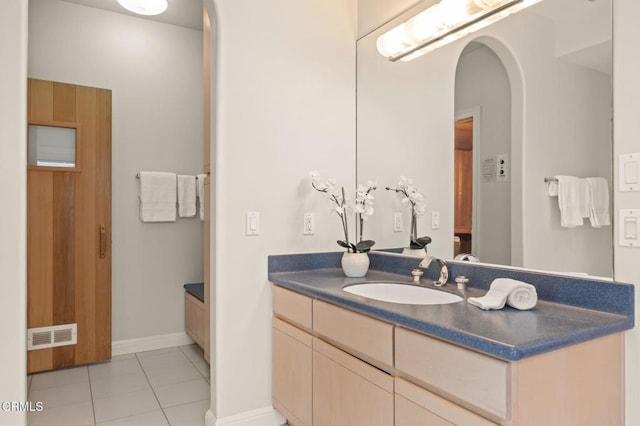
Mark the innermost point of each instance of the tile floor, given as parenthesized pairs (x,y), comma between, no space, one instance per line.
(164,387)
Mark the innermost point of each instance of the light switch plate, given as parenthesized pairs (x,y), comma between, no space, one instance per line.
(629,172)
(253,223)
(435,220)
(629,228)
(397,222)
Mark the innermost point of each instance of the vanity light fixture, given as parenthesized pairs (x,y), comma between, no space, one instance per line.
(145,7)
(442,23)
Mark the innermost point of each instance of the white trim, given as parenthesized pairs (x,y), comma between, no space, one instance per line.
(123,347)
(267,416)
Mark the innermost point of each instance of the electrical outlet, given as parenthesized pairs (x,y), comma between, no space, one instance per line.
(309,227)
(397,222)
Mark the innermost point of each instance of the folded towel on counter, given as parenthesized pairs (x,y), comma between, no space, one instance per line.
(516,294)
(186,195)
(598,189)
(201,194)
(157,197)
(572,200)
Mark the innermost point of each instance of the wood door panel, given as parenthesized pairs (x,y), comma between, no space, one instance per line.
(68,282)
(40,100)
(64,102)
(39,242)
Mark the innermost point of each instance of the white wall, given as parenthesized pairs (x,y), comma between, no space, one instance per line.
(482,82)
(13,184)
(626,129)
(155,73)
(405,126)
(285,106)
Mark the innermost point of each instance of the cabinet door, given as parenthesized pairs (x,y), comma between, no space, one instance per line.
(194,318)
(292,368)
(347,391)
(415,406)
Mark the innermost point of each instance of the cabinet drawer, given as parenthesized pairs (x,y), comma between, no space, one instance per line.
(292,306)
(463,375)
(366,337)
(417,406)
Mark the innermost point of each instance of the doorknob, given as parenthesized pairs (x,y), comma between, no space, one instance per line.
(103,241)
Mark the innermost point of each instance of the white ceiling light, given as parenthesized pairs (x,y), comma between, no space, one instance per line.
(442,23)
(145,7)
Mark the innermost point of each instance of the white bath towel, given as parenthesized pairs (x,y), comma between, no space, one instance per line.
(598,189)
(572,200)
(201,195)
(186,196)
(157,197)
(516,294)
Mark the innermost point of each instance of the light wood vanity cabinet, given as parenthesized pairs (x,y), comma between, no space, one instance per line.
(348,391)
(194,318)
(333,366)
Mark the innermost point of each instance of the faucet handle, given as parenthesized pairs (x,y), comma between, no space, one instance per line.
(461,282)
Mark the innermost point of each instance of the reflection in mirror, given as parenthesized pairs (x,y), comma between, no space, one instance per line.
(482,150)
(538,87)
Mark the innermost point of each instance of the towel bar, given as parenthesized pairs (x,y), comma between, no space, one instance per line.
(138,176)
(547,180)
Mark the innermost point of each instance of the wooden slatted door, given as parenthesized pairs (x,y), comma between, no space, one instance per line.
(69,221)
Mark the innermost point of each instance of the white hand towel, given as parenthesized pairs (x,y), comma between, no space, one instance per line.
(201,194)
(553,188)
(157,197)
(572,200)
(516,294)
(598,189)
(186,195)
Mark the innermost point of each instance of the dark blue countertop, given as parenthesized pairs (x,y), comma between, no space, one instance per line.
(196,289)
(570,310)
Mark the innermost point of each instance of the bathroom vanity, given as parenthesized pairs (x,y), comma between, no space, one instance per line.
(342,359)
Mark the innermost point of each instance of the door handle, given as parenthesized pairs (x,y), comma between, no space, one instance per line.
(103,241)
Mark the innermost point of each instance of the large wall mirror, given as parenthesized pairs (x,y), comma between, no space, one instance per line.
(479,124)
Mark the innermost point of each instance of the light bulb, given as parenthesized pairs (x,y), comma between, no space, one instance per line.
(393,42)
(145,7)
(424,25)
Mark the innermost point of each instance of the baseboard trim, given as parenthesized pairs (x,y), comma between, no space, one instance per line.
(267,416)
(123,347)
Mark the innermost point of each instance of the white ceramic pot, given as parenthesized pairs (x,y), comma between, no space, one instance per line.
(355,265)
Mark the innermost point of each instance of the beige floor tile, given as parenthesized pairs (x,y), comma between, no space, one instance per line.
(191,414)
(115,368)
(173,374)
(157,352)
(55,378)
(126,405)
(118,385)
(74,393)
(183,393)
(68,415)
(170,359)
(152,418)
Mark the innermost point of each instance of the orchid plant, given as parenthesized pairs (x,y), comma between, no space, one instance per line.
(411,196)
(343,207)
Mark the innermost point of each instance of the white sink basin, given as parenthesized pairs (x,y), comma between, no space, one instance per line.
(402,293)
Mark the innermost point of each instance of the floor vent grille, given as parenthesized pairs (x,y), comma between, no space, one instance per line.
(53,336)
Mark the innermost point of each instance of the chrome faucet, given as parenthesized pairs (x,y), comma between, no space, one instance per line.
(467,257)
(444,270)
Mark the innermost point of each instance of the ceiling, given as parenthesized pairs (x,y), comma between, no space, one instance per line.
(184,13)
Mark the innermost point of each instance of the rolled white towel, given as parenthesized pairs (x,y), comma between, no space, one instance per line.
(517,294)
